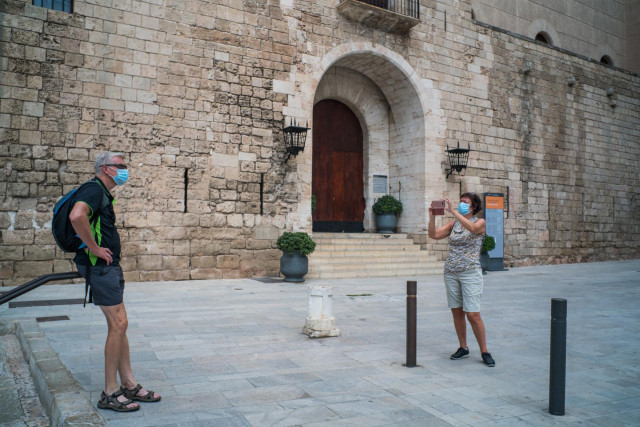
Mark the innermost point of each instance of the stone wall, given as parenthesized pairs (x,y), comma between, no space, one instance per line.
(565,155)
(592,28)
(195,92)
(186,93)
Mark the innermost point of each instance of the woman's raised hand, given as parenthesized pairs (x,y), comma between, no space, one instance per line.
(447,205)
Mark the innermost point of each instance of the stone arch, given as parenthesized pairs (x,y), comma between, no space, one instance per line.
(543,37)
(606,50)
(370,106)
(544,27)
(416,123)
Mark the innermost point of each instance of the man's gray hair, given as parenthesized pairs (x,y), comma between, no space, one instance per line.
(106,158)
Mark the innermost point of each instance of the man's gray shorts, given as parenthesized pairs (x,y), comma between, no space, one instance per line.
(464,289)
(106,282)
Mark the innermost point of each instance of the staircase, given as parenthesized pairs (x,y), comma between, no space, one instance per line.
(342,255)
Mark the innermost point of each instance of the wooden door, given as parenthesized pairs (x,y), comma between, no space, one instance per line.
(337,168)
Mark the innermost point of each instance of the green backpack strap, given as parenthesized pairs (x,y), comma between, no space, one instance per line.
(94,219)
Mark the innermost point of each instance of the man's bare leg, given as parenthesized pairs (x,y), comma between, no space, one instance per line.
(126,372)
(113,350)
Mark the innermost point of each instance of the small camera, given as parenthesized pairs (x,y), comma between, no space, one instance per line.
(437,207)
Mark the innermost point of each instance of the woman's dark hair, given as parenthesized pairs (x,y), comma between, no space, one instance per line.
(476,203)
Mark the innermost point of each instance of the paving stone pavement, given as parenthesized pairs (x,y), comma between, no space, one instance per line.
(19,403)
(231,352)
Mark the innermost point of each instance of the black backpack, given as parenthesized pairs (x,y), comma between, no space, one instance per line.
(61,227)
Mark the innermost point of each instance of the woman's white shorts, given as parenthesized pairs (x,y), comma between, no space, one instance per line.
(464,289)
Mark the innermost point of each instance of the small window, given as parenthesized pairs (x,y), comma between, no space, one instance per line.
(544,38)
(380,184)
(606,60)
(473,15)
(61,5)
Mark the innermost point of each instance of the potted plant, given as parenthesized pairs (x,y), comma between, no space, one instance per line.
(386,209)
(295,247)
(488,244)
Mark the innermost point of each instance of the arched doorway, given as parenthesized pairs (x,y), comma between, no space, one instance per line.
(337,175)
(402,123)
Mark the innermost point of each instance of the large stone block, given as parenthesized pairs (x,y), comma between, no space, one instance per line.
(150,276)
(175,275)
(206,262)
(32,269)
(13,253)
(39,253)
(266,233)
(150,262)
(205,273)
(209,247)
(17,237)
(6,269)
(175,262)
(226,262)
(64,265)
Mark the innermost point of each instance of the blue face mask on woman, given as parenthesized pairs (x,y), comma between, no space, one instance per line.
(463,208)
(121,177)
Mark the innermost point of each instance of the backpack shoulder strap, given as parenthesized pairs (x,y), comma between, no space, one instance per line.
(105,199)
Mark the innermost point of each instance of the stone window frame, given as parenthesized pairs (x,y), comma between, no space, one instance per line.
(59,5)
(605,55)
(544,37)
(607,60)
(544,29)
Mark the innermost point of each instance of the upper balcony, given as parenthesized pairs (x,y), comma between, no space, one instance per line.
(396,16)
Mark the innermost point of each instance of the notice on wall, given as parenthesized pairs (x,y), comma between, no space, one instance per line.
(494,216)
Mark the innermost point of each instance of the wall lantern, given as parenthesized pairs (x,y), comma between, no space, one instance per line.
(294,138)
(571,81)
(458,158)
(528,66)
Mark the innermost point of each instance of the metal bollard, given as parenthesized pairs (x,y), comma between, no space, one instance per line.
(412,288)
(558,356)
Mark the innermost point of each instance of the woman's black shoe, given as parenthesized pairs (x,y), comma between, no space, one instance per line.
(461,353)
(488,360)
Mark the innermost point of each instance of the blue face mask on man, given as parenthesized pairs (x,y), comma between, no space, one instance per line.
(122,172)
(463,208)
(121,177)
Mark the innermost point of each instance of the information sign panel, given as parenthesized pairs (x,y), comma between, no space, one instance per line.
(494,216)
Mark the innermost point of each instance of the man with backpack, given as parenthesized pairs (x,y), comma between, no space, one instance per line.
(93,220)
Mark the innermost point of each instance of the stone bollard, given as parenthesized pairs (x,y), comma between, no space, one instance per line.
(320,321)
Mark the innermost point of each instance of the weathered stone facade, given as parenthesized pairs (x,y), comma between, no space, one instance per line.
(589,28)
(195,93)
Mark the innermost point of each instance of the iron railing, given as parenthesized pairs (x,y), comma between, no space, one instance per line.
(23,289)
(404,7)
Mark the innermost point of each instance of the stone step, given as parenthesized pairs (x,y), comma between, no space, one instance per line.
(347,255)
(369,236)
(369,272)
(373,266)
(381,259)
(368,253)
(372,247)
(363,240)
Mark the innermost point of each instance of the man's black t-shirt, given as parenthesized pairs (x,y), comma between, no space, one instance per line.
(104,229)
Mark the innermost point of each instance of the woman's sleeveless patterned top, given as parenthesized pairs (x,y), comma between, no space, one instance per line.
(464,249)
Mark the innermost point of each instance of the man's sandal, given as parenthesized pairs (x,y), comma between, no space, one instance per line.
(133,394)
(112,402)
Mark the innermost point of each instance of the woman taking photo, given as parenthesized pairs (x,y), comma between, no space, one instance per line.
(462,271)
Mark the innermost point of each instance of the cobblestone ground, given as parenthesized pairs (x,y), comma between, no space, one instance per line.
(20,405)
